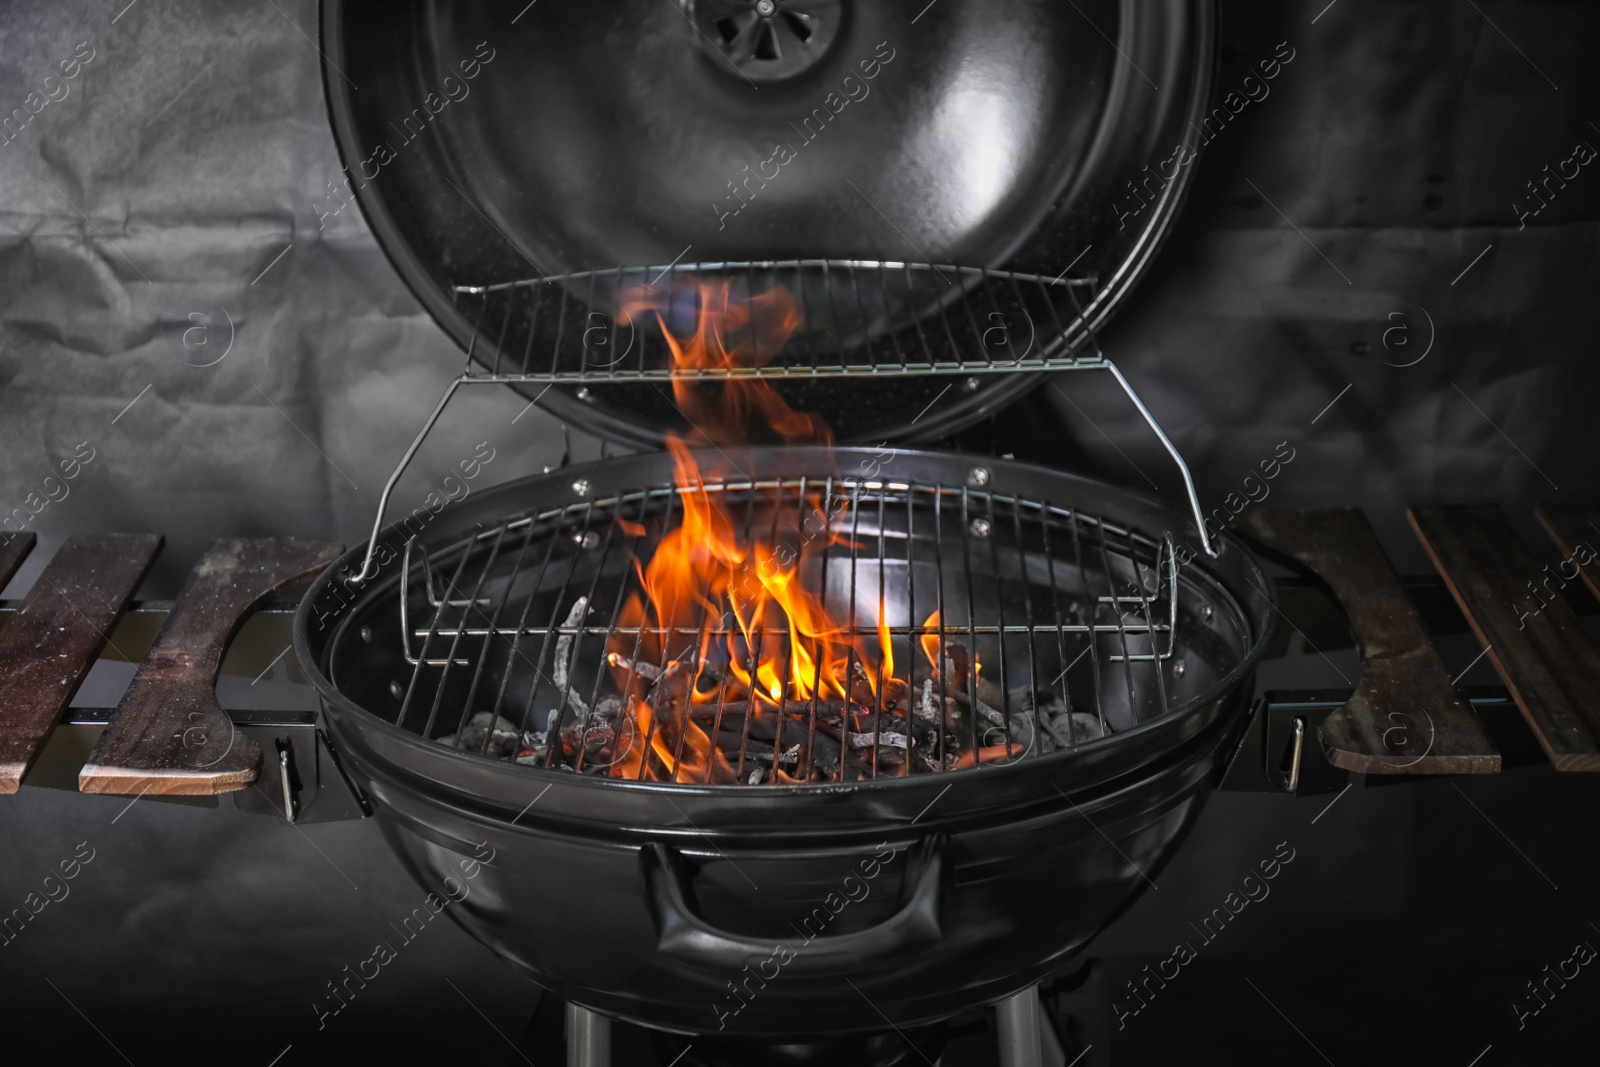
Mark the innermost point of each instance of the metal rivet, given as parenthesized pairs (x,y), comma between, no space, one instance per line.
(581,487)
(366,634)
(1206,613)
(978,476)
(980,528)
(970,385)
(765,8)
(396,690)
(1178,668)
(586,539)
(584,394)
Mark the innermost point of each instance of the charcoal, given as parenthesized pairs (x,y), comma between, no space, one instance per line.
(663,678)
(825,756)
(533,749)
(888,758)
(648,671)
(883,739)
(563,664)
(863,678)
(991,715)
(1071,728)
(826,760)
(728,743)
(732,726)
(505,742)
(929,705)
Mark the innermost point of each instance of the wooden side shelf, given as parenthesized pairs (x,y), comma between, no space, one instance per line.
(63,623)
(169,734)
(1576,531)
(1533,639)
(13,551)
(1404,717)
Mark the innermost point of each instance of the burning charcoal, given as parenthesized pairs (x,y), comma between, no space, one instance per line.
(756,776)
(505,742)
(885,739)
(591,738)
(677,668)
(834,714)
(989,714)
(754,751)
(759,729)
(533,749)
(828,760)
(956,661)
(714,678)
(594,734)
(860,683)
(563,664)
(929,705)
(862,679)
(734,715)
(923,734)
(648,671)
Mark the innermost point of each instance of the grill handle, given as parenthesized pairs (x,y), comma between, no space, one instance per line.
(686,936)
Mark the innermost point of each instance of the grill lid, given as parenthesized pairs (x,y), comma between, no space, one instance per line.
(991,134)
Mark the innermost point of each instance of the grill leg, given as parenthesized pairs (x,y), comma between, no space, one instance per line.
(588,1038)
(1018,1025)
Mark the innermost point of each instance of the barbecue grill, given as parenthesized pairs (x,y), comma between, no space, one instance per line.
(1014,659)
(478,621)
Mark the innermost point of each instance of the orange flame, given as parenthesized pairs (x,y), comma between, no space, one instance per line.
(930,641)
(728,335)
(775,640)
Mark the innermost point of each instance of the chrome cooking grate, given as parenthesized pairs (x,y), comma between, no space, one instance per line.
(856,319)
(859,319)
(1073,618)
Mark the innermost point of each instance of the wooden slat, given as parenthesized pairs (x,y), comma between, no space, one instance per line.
(13,550)
(52,641)
(169,735)
(1576,530)
(1535,642)
(1404,716)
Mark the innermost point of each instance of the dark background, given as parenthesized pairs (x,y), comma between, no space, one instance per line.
(1387,156)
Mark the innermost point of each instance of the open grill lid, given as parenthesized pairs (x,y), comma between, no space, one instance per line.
(513,163)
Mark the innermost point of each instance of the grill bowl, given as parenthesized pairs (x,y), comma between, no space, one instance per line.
(645,900)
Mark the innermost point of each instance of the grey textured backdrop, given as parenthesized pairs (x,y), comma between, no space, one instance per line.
(181,167)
